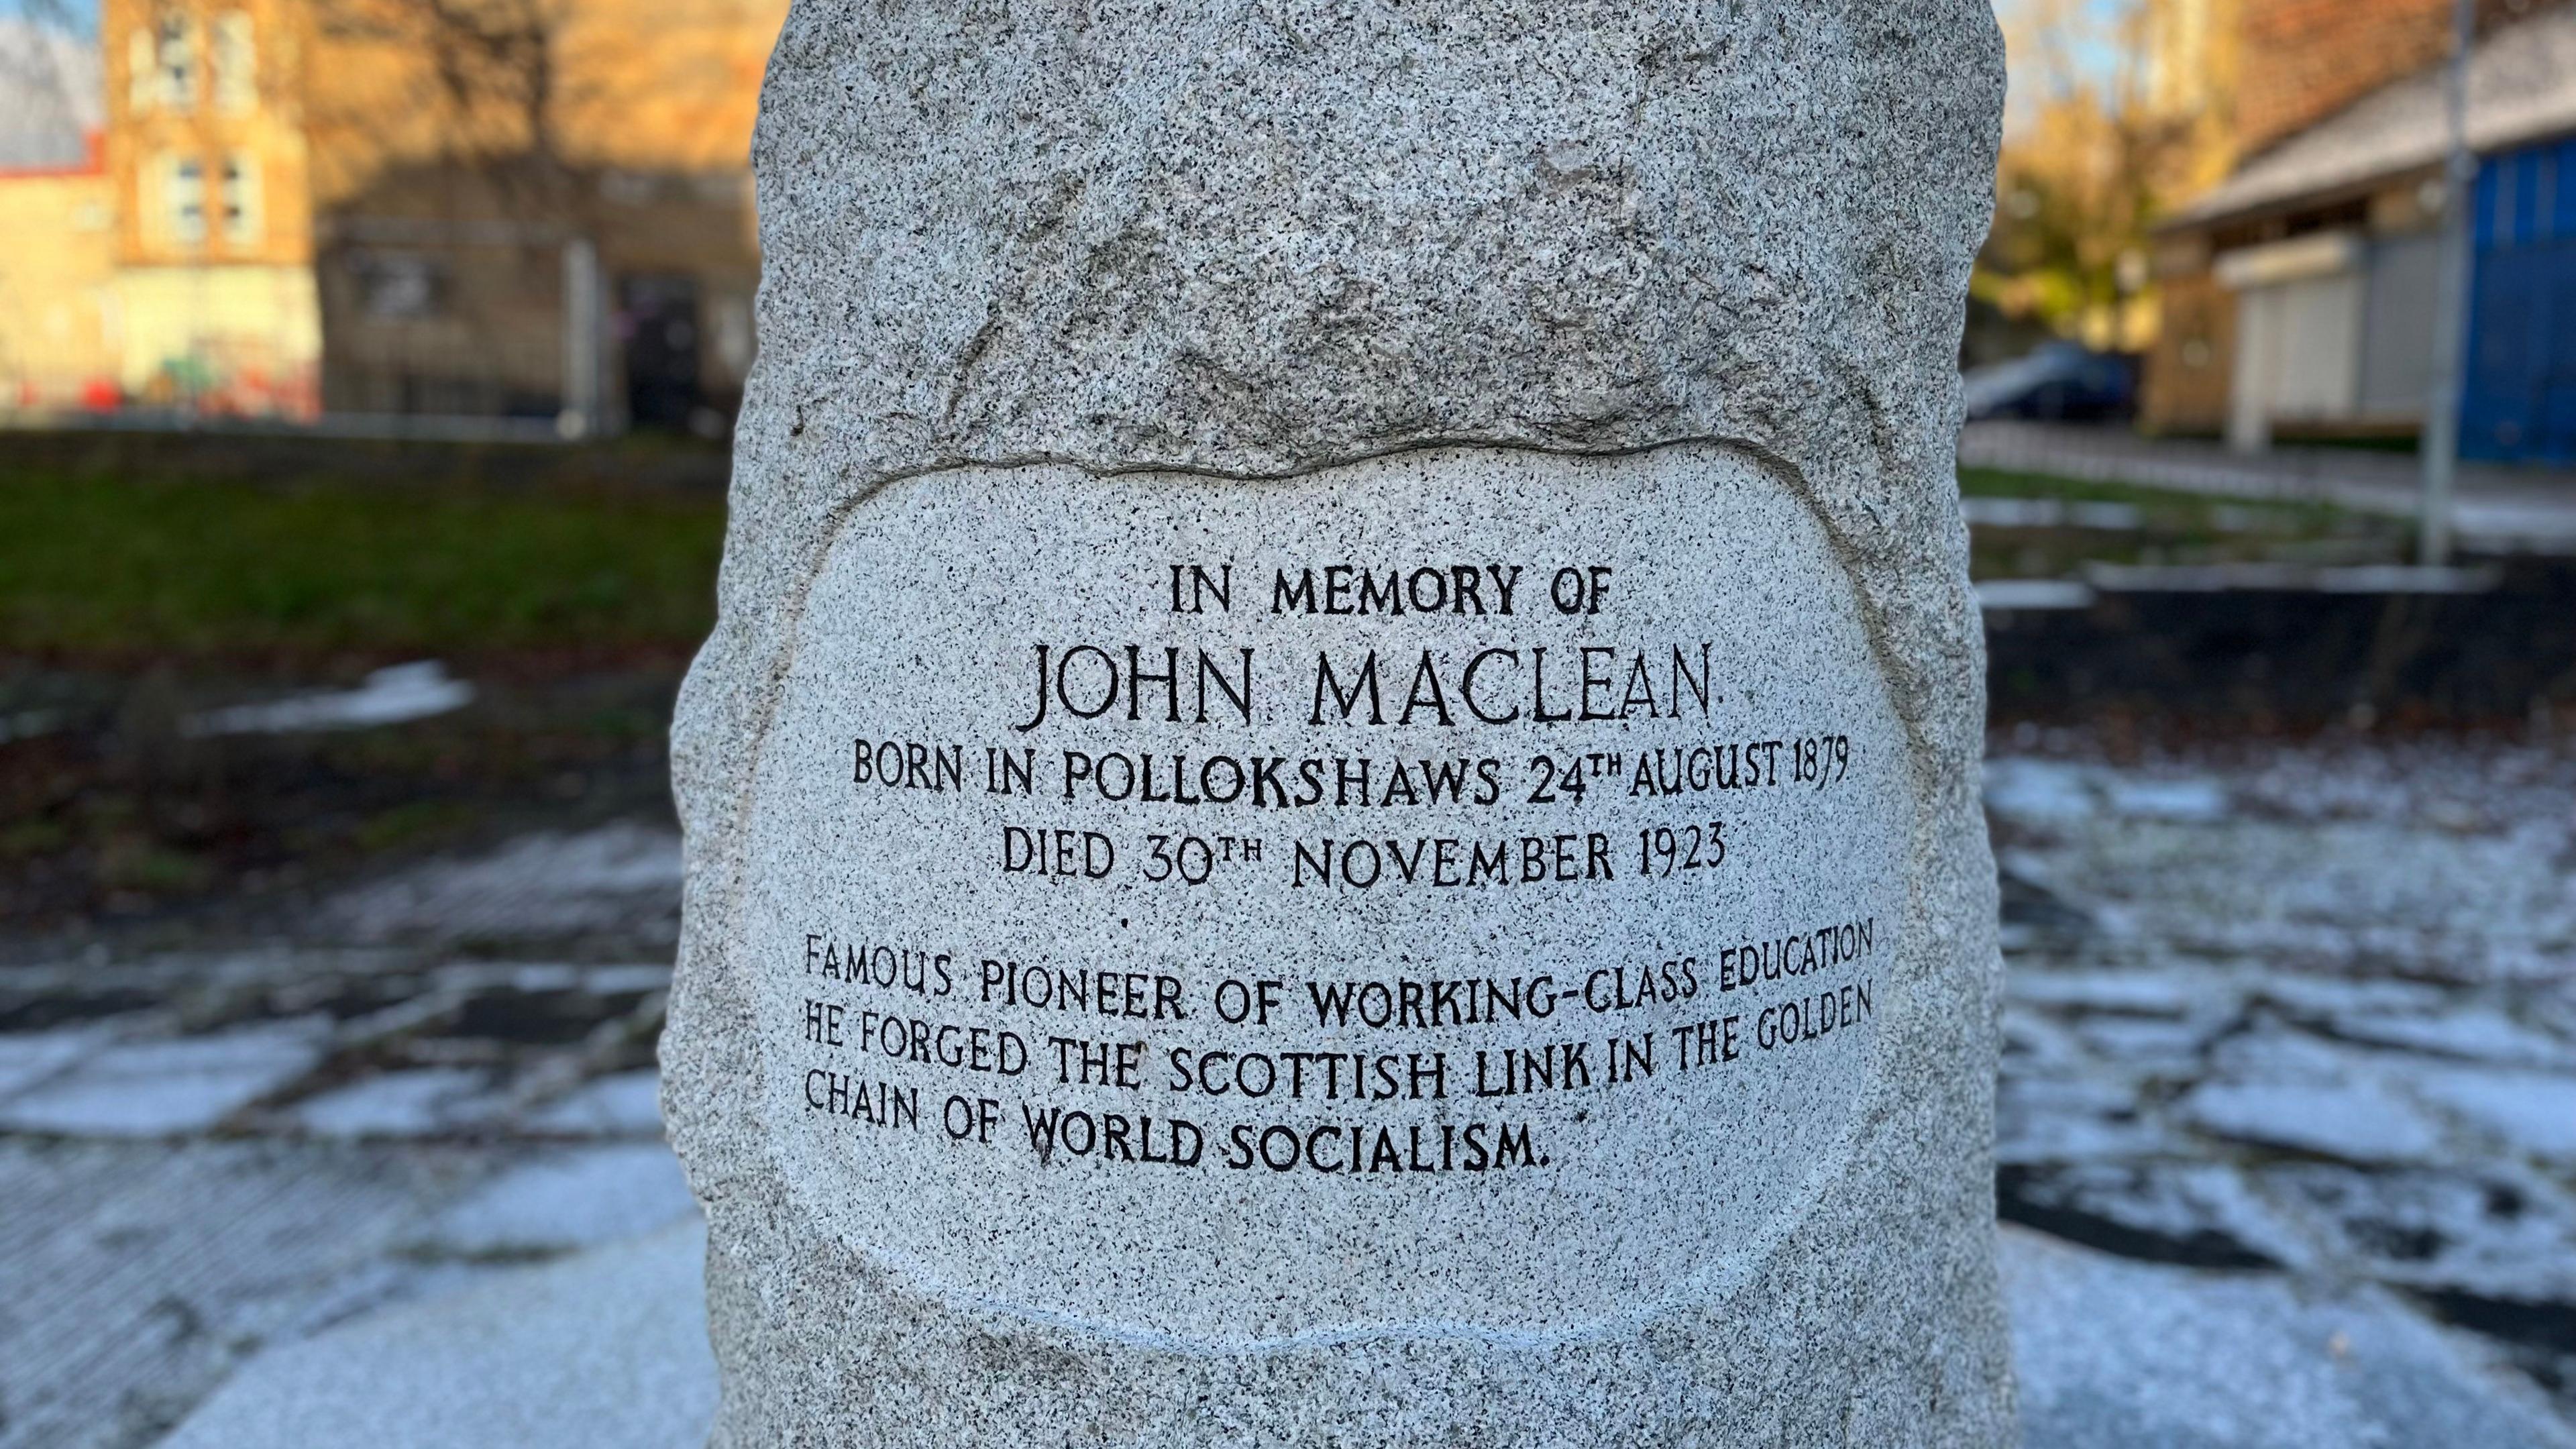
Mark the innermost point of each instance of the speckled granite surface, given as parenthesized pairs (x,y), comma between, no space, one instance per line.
(1225,244)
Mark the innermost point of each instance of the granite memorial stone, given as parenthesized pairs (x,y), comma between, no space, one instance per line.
(1335,798)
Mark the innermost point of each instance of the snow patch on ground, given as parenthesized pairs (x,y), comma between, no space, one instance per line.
(27,1058)
(2533,1112)
(418,1103)
(541,886)
(165,1088)
(393,695)
(566,1200)
(628,1104)
(2118,1355)
(2357,1122)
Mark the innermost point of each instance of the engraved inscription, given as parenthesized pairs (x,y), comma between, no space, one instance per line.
(1452,892)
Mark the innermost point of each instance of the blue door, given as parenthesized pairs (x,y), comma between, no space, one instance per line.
(2518,401)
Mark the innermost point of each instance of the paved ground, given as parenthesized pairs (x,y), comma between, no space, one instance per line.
(2497,510)
(2307,1011)
(607,1349)
(2289,1087)
(429,1079)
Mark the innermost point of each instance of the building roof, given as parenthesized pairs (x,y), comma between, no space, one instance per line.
(2522,86)
(50,97)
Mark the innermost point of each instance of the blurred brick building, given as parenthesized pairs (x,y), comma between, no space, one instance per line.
(206,161)
(536,208)
(58,305)
(2298,290)
(448,211)
(2315,57)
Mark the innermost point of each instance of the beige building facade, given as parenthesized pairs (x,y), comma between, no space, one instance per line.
(536,211)
(206,156)
(61,312)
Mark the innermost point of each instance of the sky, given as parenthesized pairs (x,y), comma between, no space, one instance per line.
(79,15)
(2087,30)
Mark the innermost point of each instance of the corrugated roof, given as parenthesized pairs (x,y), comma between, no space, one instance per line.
(2522,86)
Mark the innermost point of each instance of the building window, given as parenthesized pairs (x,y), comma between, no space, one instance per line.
(142,72)
(398,286)
(236,64)
(241,199)
(178,67)
(184,195)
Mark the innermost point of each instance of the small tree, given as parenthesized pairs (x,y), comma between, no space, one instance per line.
(2118,110)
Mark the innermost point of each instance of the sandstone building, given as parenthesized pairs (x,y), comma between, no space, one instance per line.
(58,303)
(432,213)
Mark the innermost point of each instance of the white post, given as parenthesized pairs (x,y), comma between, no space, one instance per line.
(2441,442)
(580,417)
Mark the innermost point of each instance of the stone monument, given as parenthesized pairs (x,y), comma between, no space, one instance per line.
(1335,799)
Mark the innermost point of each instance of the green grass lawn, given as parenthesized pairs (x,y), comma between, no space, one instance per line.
(134,563)
(110,568)
(2164,506)
(2172,528)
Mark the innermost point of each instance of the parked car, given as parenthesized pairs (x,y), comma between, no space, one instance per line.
(2054,381)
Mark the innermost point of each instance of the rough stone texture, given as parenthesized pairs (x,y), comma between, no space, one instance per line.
(1249,241)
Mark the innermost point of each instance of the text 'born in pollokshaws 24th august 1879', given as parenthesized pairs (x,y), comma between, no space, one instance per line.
(1169,759)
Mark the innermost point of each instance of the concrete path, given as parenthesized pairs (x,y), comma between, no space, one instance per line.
(2496,510)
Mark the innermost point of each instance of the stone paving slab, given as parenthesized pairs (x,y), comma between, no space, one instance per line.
(2118,1355)
(136,1276)
(165,1088)
(608,1349)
